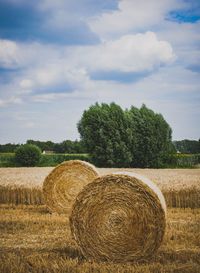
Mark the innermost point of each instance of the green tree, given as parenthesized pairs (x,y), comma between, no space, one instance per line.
(151,144)
(43,145)
(8,148)
(27,155)
(135,137)
(187,146)
(103,129)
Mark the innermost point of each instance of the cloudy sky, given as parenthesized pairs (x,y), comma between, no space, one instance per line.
(57,57)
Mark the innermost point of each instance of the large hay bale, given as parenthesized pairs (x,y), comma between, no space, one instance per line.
(62,185)
(119,218)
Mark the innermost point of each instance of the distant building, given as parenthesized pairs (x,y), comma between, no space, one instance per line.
(45,152)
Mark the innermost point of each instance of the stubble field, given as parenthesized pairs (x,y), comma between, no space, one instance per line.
(33,240)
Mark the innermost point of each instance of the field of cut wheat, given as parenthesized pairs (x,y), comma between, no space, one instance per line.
(165,178)
(181,187)
(33,240)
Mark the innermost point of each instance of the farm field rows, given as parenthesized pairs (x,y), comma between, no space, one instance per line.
(181,187)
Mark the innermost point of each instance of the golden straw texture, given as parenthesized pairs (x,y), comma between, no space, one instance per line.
(62,185)
(118,218)
(150,184)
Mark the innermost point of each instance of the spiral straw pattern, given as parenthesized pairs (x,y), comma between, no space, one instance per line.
(118,218)
(62,185)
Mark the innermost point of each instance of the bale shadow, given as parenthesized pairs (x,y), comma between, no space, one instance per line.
(69,252)
(41,209)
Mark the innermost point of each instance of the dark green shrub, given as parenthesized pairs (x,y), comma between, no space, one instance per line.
(7,160)
(182,161)
(186,160)
(27,155)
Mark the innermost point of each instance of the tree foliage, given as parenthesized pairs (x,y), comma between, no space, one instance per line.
(135,137)
(187,146)
(43,145)
(27,155)
(8,147)
(64,147)
(103,130)
(151,143)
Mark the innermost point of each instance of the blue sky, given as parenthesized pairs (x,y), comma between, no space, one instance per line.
(59,57)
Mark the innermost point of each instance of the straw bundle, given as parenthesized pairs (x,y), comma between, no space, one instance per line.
(118,218)
(62,185)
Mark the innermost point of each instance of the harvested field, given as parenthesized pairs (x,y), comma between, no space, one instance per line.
(26,177)
(181,187)
(33,240)
(167,179)
(164,178)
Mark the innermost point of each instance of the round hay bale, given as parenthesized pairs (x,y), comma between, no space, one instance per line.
(118,218)
(62,185)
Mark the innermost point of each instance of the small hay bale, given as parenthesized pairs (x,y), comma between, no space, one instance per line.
(62,185)
(119,218)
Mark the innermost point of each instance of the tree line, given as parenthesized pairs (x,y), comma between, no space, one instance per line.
(64,147)
(187,146)
(113,137)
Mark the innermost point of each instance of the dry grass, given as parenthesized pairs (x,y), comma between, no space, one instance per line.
(33,240)
(166,179)
(181,187)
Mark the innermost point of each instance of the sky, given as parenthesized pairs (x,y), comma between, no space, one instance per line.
(58,57)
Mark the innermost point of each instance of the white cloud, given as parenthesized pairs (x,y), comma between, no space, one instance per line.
(65,14)
(56,74)
(26,84)
(44,67)
(130,53)
(185,40)
(49,97)
(23,55)
(48,76)
(8,53)
(166,91)
(10,100)
(132,15)
(182,35)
